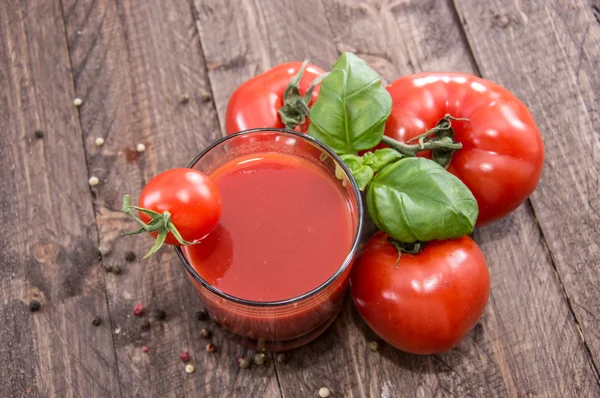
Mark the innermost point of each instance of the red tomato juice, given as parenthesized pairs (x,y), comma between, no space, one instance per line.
(286,228)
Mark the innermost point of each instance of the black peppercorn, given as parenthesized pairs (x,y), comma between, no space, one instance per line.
(160,315)
(129,256)
(34,305)
(201,315)
(97,321)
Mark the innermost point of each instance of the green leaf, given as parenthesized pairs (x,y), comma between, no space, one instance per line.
(350,113)
(416,199)
(362,174)
(381,157)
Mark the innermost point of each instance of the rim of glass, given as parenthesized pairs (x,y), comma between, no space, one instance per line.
(331,279)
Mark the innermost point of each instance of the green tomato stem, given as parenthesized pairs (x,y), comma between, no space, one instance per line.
(411,150)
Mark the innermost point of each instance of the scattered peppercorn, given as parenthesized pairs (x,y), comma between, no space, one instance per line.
(374,346)
(99,141)
(211,348)
(108,268)
(244,363)
(116,269)
(204,333)
(34,305)
(140,147)
(323,392)
(104,251)
(185,98)
(97,321)
(138,310)
(206,97)
(189,368)
(145,325)
(259,359)
(144,348)
(38,134)
(184,356)
(160,315)
(129,256)
(93,181)
(77,101)
(201,315)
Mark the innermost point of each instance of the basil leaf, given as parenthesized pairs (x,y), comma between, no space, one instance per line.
(362,174)
(350,113)
(416,199)
(381,157)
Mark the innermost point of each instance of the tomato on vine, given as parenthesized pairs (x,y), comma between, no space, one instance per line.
(421,303)
(178,207)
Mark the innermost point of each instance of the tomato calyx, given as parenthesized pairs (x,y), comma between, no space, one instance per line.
(295,108)
(403,247)
(160,223)
(439,140)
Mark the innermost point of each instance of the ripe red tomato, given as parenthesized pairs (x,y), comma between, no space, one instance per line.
(428,302)
(255,103)
(503,154)
(191,197)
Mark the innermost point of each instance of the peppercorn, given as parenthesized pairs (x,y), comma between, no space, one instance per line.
(204,333)
(323,392)
(108,268)
(211,348)
(129,256)
(185,356)
(189,368)
(145,325)
(244,363)
(34,305)
(259,359)
(374,346)
(38,134)
(206,97)
(144,348)
(185,98)
(160,315)
(201,315)
(116,269)
(138,310)
(97,321)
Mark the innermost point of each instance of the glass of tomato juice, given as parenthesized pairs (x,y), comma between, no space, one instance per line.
(274,271)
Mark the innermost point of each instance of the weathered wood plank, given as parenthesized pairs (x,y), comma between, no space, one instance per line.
(527,341)
(132,63)
(244,38)
(49,250)
(548,53)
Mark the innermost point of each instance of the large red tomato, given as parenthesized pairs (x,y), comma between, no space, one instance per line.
(256,102)
(426,303)
(502,156)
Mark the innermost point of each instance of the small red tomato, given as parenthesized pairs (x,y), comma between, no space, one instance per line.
(426,303)
(256,102)
(502,156)
(190,196)
(177,207)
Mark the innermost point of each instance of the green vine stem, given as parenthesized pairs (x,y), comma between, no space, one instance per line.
(160,223)
(295,108)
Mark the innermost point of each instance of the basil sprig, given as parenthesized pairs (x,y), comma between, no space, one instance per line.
(416,199)
(411,199)
(350,113)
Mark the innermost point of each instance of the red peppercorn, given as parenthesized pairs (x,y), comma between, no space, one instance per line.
(144,348)
(138,310)
(185,356)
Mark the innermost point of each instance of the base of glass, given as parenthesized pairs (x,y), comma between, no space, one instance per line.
(282,345)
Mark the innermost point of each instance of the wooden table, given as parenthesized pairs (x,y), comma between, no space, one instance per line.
(132,62)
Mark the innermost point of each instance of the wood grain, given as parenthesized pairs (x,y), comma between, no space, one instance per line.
(511,352)
(132,64)
(243,38)
(48,249)
(548,54)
